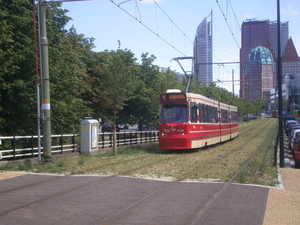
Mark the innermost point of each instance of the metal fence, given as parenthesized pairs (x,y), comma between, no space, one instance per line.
(16,147)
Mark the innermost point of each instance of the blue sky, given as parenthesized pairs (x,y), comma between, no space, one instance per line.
(139,28)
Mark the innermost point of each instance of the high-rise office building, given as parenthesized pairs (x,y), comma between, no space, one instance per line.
(259,33)
(284,30)
(202,63)
(259,74)
(290,60)
(291,75)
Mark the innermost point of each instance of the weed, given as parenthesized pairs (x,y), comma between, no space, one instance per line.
(60,163)
(25,166)
(128,151)
(106,154)
(6,168)
(81,161)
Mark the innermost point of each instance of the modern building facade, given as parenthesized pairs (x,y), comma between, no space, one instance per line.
(260,33)
(202,63)
(290,61)
(259,74)
(291,75)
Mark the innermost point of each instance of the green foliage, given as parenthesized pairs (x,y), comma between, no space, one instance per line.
(112,83)
(25,166)
(6,168)
(142,107)
(60,163)
(169,80)
(81,161)
(128,151)
(17,70)
(17,81)
(68,82)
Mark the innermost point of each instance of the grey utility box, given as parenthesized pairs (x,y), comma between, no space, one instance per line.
(89,136)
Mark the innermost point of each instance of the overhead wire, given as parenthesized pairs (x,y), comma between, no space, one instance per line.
(171,19)
(225,17)
(235,16)
(171,43)
(230,29)
(156,33)
(137,7)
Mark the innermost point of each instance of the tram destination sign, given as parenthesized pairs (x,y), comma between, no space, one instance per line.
(173,97)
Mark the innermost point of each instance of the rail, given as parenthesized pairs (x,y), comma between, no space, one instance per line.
(16,147)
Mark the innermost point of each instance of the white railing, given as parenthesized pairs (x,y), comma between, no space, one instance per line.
(16,147)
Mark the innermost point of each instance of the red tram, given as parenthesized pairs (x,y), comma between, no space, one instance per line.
(275,113)
(189,120)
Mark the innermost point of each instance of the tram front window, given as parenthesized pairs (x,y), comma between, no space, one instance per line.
(174,114)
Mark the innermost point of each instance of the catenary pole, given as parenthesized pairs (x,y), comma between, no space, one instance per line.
(43,41)
(233,84)
(279,81)
(37,81)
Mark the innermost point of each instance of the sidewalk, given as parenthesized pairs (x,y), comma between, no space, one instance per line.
(283,206)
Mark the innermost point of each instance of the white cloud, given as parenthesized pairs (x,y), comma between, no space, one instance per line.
(289,11)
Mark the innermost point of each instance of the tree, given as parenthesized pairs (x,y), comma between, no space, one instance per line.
(68,71)
(142,107)
(17,74)
(68,57)
(69,54)
(260,104)
(113,82)
(168,80)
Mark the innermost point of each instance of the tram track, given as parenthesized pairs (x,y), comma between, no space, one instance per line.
(216,195)
(207,205)
(205,158)
(177,156)
(58,194)
(77,188)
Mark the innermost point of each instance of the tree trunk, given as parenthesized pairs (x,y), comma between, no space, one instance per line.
(115,149)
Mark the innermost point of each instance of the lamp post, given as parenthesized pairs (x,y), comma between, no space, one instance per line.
(279,81)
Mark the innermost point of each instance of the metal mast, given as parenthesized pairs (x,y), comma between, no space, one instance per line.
(44,62)
(279,81)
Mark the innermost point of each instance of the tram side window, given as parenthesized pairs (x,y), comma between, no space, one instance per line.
(211,114)
(207,114)
(208,120)
(200,113)
(234,117)
(214,115)
(224,114)
(194,112)
(203,115)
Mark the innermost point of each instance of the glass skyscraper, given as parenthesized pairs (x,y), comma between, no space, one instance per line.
(202,63)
